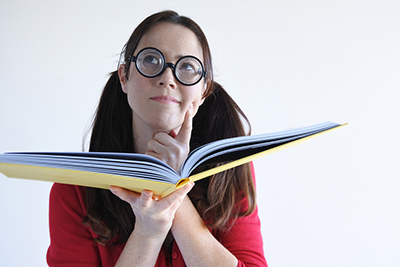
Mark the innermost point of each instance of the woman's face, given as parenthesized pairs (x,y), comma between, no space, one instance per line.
(160,103)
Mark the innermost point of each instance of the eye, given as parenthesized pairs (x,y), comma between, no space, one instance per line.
(189,70)
(150,59)
(150,62)
(188,67)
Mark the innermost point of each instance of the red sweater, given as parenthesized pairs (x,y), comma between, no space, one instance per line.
(72,242)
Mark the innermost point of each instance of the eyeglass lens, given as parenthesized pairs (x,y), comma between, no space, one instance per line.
(150,62)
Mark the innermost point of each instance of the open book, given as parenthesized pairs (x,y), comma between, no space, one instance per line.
(138,171)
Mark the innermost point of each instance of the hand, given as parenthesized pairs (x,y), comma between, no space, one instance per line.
(153,216)
(172,148)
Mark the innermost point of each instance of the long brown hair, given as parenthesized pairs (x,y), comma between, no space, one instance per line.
(216,198)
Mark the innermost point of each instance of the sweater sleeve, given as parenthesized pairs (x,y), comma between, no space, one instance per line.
(244,239)
(71,242)
(245,242)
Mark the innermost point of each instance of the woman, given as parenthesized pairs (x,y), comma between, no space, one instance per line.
(162,101)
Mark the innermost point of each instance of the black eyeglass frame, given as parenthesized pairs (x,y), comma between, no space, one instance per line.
(168,64)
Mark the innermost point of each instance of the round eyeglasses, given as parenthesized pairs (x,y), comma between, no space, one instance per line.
(150,62)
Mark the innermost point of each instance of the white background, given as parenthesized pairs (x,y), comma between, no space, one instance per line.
(333,201)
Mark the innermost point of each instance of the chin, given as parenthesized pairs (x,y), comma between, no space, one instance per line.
(166,128)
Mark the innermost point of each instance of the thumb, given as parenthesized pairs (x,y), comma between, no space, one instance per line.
(186,129)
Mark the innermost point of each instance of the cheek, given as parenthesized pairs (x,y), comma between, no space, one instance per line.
(134,84)
(134,95)
(197,97)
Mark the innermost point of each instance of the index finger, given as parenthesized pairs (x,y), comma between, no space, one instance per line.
(186,129)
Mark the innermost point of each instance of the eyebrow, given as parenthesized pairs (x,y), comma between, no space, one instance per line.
(175,58)
(179,56)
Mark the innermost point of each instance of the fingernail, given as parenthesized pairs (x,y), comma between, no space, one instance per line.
(113,190)
(172,134)
(147,194)
(189,185)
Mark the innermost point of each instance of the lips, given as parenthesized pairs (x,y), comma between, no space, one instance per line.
(165,99)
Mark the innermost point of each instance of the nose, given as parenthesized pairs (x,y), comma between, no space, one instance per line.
(167,78)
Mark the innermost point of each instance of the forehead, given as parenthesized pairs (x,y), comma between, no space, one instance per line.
(172,40)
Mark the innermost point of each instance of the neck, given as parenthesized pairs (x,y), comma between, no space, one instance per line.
(140,140)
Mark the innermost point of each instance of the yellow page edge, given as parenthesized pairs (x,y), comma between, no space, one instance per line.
(83,178)
(248,159)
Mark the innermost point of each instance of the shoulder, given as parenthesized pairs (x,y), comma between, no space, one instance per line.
(68,197)
(72,242)
(64,191)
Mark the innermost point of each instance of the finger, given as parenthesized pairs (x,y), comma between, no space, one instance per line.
(123,194)
(157,144)
(146,197)
(160,143)
(176,196)
(163,138)
(133,198)
(172,133)
(186,129)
